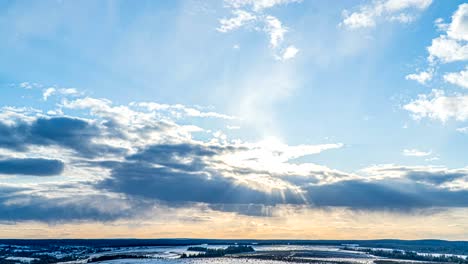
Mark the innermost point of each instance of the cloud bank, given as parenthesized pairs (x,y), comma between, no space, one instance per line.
(125,161)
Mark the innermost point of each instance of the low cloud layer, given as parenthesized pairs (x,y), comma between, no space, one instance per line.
(125,161)
(36,167)
(72,133)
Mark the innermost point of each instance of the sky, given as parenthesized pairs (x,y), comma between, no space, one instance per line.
(234,119)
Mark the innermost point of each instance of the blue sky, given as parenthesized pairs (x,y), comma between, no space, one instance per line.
(284,103)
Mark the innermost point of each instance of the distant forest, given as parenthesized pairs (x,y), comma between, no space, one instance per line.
(217,252)
(439,246)
(410,255)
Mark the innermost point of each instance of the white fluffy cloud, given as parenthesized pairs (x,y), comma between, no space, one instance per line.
(367,16)
(452,46)
(445,50)
(239,19)
(275,30)
(362,19)
(289,53)
(421,77)
(458,29)
(458,78)
(63,91)
(438,106)
(48,92)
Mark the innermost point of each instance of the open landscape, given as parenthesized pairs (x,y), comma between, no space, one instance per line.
(231,251)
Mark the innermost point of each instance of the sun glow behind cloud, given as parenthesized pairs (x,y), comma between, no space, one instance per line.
(126,163)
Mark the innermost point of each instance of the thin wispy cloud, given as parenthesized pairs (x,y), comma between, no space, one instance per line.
(254,15)
(369,15)
(416,153)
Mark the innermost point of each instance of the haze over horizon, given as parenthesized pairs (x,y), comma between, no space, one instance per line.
(267,119)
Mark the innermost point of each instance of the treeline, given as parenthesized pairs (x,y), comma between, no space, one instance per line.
(38,258)
(197,249)
(112,257)
(411,255)
(217,252)
(40,255)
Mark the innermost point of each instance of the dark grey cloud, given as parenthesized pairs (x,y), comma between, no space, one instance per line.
(36,167)
(33,207)
(363,195)
(381,195)
(185,174)
(168,152)
(436,178)
(13,136)
(72,133)
(224,194)
(183,156)
(171,156)
(431,175)
(172,186)
(181,173)
(145,187)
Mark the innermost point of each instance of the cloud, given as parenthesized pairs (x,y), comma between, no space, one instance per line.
(21,205)
(275,30)
(188,173)
(179,109)
(421,77)
(434,175)
(416,153)
(367,16)
(72,133)
(68,91)
(48,92)
(233,127)
(172,186)
(258,5)
(447,50)
(289,53)
(438,106)
(402,18)
(364,195)
(124,161)
(240,18)
(355,20)
(452,46)
(440,25)
(29,85)
(458,29)
(35,167)
(381,195)
(458,78)
(246,12)
(184,174)
(462,129)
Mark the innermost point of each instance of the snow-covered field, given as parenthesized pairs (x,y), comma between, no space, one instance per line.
(264,254)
